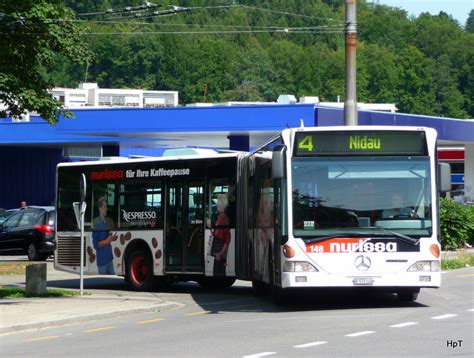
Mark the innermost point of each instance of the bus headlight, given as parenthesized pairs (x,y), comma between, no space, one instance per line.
(298,266)
(425,266)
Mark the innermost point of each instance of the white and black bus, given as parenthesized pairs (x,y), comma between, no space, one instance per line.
(313,207)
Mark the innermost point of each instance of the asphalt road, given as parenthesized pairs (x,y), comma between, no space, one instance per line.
(233,323)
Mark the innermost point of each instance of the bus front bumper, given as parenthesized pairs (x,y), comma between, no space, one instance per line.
(398,279)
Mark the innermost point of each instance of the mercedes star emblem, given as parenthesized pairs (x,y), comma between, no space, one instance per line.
(362,263)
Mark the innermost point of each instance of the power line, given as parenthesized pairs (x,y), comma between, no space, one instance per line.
(287,31)
(162,24)
(264,10)
(146,6)
(176,9)
(288,13)
(283,31)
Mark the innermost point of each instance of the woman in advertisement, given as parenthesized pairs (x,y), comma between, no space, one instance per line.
(221,236)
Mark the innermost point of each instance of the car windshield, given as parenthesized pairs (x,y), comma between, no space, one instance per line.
(6,214)
(353,195)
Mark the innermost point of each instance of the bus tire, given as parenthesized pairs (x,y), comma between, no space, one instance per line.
(408,296)
(279,297)
(259,288)
(140,270)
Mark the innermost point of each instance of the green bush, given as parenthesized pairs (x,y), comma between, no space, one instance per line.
(470,238)
(457,224)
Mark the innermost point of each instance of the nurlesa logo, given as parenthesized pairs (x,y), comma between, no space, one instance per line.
(363,246)
(134,216)
(347,245)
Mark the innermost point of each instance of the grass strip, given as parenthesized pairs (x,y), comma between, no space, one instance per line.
(462,260)
(13,268)
(18,292)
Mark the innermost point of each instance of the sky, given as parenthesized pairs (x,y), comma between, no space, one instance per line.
(458,9)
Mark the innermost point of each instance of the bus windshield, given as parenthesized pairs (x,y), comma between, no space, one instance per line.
(361,196)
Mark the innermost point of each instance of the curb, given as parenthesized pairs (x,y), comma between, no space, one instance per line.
(86,317)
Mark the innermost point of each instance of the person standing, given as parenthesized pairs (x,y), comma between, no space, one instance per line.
(102,238)
(221,235)
(23,204)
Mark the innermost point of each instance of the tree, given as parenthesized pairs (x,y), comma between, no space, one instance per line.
(34,34)
(437,34)
(470,23)
(382,72)
(416,92)
(424,64)
(450,100)
(384,25)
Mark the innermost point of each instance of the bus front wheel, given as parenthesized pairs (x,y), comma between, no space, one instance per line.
(140,270)
(408,295)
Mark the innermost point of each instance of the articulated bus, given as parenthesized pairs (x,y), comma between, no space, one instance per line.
(326,207)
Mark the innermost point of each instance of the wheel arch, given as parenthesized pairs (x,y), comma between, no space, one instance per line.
(134,244)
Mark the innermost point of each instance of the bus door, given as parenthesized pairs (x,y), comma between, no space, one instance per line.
(184,243)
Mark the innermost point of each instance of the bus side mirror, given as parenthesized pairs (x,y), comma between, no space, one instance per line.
(278,162)
(444,170)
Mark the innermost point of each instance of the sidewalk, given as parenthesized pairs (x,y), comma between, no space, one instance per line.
(33,313)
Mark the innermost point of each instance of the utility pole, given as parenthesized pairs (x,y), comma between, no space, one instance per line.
(350,30)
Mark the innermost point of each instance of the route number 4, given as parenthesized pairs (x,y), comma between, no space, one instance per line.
(306,143)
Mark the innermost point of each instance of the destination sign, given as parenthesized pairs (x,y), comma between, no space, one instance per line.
(360,143)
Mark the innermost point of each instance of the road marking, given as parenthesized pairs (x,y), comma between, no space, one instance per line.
(357,334)
(444,316)
(405,324)
(263,354)
(468,275)
(196,313)
(306,345)
(471,310)
(42,338)
(151,320)
(98,329)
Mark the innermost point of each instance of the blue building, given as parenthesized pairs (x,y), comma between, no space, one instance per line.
(29,151)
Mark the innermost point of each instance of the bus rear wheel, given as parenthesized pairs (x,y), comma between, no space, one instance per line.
(279,295)
(140,270)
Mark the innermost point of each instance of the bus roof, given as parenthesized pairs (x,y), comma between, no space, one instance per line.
(124,160)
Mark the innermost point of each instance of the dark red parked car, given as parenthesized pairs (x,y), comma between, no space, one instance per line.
(30,229)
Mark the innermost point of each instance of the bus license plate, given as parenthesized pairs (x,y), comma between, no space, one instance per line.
(363,281)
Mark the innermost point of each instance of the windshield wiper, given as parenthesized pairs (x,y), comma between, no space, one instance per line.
(322,238)
(404,238)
